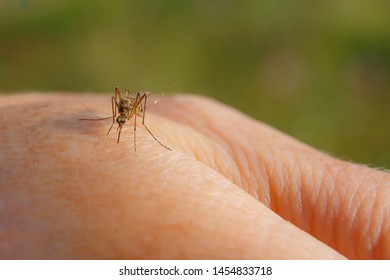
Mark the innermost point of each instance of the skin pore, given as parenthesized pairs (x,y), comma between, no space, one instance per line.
(231,188)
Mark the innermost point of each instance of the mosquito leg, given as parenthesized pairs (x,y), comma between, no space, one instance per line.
(117,93)
(108,132)
(143,120)
(156,138)
(113,109)
(143,115)
(135,132)
(119,133)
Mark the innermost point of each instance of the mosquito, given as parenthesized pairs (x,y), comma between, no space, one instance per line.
(124,108)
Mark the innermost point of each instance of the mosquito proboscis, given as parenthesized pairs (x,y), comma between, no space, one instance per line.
(123,109)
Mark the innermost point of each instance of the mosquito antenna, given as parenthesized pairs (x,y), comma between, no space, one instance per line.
(161,94)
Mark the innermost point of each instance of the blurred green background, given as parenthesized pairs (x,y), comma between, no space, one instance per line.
(318,70)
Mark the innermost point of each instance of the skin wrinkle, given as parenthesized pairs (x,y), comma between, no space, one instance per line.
(252,175)
(201,154)
(288,190)
(234,153)
(186,146)
(355,207)
(323,191)
(381,248)
(257,186)
(277,184)
(239,160)
(293,188)
(363,222)
(340,219)
(270,168)
(364,218)
(212,159)
(319,205)
(216,162)
(330,217)
(296,202)
(264,172)
(221,162)
(285,184)
(197,142)
(326,224)
(381,243)
(384,227)
(347,213)
(332,211)
(225,165)
(260,186)
(301,185)
(285,193)
(375,220)
(242,165)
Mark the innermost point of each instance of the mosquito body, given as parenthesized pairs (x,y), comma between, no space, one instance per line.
(124,108)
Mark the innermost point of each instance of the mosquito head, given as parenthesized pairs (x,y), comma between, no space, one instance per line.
(121,120)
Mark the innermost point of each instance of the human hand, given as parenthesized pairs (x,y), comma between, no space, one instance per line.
(65,193)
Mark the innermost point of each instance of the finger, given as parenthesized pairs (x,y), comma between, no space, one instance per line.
(63,197)
(343,204)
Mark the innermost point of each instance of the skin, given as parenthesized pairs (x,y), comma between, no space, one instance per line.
(231,188)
